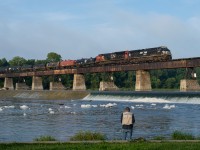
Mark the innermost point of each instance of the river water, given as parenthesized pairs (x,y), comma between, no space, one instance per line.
(156,115)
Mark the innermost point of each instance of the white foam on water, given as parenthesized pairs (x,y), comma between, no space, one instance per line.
(167,106)
(67,107)
(74,113)
(12,106)
(86,106)
(24,107)
(108,105)
(153,100)
(132,107)
(50,109)
(51,112)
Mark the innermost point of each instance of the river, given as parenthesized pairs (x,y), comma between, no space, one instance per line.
(156,115)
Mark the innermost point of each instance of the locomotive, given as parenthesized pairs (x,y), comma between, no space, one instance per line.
(135,56)
(147,55)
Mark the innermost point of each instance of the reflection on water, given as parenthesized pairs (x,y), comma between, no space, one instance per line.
(24,120)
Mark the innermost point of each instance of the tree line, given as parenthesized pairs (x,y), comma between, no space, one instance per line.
(160,79)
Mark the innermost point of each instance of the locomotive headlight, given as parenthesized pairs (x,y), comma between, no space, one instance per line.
(165,52)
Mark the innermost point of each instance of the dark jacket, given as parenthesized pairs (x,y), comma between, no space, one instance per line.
(128,126)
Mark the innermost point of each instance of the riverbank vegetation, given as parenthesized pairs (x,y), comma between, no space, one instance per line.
(88,136)
(160,79)
(45,138)
(179,140)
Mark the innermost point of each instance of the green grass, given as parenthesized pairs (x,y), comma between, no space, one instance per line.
(102,146)
(159,138)
(45,138)
(178,135)
(88,136)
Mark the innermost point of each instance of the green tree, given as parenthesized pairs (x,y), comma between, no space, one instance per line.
(130,81)
(40,62)
(95,80)
(30,62)
(170,83)
(155,82)
(53,57)
(17,61)
(3,62)
(67,80)
(120,78)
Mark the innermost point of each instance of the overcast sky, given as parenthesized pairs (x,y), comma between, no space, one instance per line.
(85,28)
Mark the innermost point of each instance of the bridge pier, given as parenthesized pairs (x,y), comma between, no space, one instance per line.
(108,86)
(143,81)
(56,86)
(22,86)
(37,83)
(189,85)
(79,82)
(8,83)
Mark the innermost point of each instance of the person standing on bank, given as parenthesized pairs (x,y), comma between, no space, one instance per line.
(127,120)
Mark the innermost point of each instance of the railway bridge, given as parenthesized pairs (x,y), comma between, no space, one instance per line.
(143,82)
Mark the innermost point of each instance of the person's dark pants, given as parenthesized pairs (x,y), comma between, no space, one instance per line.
(127,133)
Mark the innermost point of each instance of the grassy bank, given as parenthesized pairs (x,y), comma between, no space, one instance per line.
(97,141)
(105,146)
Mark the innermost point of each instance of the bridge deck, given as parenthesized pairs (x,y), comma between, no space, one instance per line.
(173,64)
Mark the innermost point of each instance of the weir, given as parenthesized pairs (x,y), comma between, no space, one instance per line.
(146,97)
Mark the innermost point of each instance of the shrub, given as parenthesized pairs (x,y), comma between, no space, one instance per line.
(88,136)
(178,135)
(45,138)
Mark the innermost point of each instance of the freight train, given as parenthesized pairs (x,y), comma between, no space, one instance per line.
(156,54)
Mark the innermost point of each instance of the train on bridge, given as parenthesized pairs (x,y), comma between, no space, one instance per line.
(156,54)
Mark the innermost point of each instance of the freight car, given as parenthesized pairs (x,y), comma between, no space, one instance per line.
(3,69)
(26,68)
(52,65)
(39,67)
(85,62)
(67,64)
